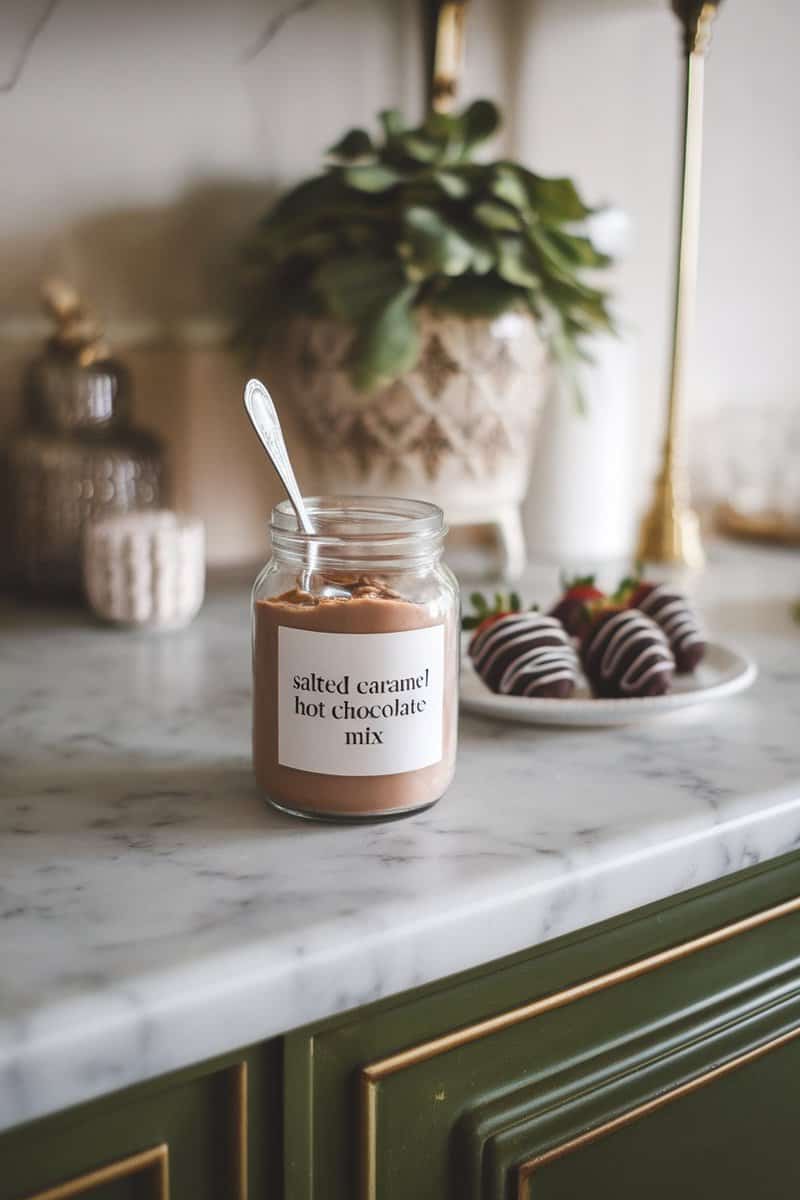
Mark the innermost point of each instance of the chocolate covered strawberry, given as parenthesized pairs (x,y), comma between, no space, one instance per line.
(574,608)
(484,615)
(520,653)
(626,655)
(525,654)
(672,613)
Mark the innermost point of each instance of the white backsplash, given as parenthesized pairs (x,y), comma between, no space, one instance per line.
(140,141)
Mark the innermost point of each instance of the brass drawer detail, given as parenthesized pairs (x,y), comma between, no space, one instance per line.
(373,1073)
(238,1084)
(155,1160)
(527,1169)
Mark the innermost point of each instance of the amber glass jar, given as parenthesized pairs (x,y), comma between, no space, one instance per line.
(355,660)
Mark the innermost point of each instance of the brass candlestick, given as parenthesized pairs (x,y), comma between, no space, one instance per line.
(670,531)
(448,54)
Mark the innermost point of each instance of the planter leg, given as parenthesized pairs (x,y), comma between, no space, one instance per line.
(508,523)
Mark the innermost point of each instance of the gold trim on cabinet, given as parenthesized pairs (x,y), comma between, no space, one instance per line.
(156,1159)
(373,1073)
(528,1168)
(238,1083)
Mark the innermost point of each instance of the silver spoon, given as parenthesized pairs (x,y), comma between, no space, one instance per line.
(261,410)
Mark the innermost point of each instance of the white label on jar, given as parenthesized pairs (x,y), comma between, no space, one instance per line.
(360,703)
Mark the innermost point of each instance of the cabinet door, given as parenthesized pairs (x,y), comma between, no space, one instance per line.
(467,1090)
(732,1133)
(208,1133)
(706,1111)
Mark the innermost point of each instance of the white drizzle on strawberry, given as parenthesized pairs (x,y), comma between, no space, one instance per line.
(538,668)
(534,663)
(618,636)
(673,615)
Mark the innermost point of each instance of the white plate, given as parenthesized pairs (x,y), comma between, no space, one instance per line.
(723,672)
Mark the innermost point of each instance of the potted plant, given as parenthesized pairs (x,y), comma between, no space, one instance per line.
(417,298)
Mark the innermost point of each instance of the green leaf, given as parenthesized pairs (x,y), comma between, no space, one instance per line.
(443,126)
(480,121)
(513,261)
(556,200)
(476,296)
(448,132)
(556,258)
(392,122)
(387,344)
(478,602)
(507,186)
(436,246)
(356,143)
(305,202)
(453,185)
(371,178)
(354,286)
(577,249)
(595,310)
(324,203)
(420,148)
(584,306)
(496,216)
(484,254)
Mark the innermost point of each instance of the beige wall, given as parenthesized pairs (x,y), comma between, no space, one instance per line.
(139,143)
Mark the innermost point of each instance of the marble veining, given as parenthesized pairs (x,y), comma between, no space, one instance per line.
(153,912)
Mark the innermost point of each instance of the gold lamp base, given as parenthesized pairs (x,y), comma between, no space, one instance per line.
(670,531)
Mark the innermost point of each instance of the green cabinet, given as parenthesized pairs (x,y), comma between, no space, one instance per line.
(728,1133)
(656,1054)
(505,1082)
(204,1134)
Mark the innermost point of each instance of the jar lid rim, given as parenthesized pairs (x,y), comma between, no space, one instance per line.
(361,517)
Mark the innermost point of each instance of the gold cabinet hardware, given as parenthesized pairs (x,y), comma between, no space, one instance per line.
(155,1161)
(238,1086)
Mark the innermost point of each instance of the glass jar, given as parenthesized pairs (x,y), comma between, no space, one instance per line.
(355,660)
(76,458)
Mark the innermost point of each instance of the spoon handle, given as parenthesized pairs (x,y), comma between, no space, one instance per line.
(261,411)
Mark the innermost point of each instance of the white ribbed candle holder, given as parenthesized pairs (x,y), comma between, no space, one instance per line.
(145,569)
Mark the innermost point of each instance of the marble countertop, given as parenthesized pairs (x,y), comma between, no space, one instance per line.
(153,912)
